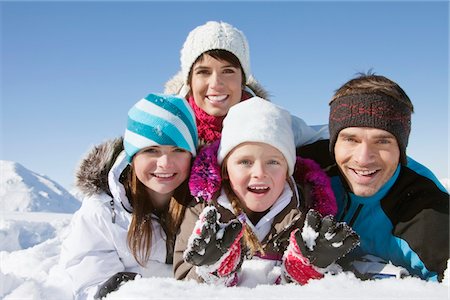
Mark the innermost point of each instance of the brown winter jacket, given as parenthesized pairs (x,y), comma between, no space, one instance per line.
(274,244)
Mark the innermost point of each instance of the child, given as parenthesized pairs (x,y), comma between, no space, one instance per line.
(134,199)
(253,207)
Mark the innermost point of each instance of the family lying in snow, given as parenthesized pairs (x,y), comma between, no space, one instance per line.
(211,174)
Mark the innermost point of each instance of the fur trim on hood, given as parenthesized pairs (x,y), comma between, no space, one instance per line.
(175,85)
(92,173)
(205,180)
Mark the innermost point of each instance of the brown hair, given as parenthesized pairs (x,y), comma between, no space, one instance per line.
(222,55)
(140,232)
(369,83)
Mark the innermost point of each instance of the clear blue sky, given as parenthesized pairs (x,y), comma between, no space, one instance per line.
(71,70)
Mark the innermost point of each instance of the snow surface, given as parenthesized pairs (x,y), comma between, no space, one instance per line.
(30,243)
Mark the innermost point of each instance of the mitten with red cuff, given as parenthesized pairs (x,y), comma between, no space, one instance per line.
(320,243)
(215,248)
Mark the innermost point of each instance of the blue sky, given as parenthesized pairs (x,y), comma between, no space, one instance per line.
(71,70)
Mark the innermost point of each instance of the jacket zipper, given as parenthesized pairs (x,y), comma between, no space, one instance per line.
(348,202)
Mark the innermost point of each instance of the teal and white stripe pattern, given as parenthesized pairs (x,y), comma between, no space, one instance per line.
(160,120)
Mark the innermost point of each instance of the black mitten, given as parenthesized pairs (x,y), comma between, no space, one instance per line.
(211,239)
(323,240)
(113,283)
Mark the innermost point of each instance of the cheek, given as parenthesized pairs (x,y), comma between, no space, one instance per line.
(236,177)
(185,168)
(280,178)
(391,159)
(143,165)
(340,153)
(197,85)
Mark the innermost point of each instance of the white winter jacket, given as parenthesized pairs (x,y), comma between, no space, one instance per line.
(96,247)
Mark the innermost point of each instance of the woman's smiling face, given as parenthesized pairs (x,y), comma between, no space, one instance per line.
(216,85)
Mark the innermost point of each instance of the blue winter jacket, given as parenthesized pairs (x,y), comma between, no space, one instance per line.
(406,222)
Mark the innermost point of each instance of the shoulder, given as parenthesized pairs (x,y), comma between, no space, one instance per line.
(422,171)
(94,208)
(414,194)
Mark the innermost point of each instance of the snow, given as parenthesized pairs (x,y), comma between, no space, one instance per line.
(25,190)
(30,243)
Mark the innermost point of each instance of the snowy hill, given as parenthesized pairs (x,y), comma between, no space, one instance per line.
(22,190)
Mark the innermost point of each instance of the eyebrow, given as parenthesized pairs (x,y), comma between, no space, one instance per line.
(378,136)
(206,67)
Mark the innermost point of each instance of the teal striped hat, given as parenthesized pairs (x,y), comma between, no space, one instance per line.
(160,120)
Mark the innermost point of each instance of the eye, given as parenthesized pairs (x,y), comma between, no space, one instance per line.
(349,139)
(229,71)
(151,150)
(384,141)
(273,162)
(244,162)
(179,150)
(202,72)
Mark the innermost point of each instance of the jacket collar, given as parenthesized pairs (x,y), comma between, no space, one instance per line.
(116,188)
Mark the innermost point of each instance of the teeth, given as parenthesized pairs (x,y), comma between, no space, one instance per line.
(217,98)
(258,188)
(365,173)
(164,175)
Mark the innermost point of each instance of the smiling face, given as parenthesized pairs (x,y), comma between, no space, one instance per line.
(367,157)
(216,85)
(257,174)
(162,169)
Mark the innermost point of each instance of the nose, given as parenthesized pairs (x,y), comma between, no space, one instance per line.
(215,80)
(164,161)
(364,154)
(258,170)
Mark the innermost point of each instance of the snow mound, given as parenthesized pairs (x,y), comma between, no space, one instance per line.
(22,190)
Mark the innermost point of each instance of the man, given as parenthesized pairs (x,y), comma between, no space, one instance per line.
(397,206)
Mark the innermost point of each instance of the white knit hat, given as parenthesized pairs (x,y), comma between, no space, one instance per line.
(258,120)
(210,36)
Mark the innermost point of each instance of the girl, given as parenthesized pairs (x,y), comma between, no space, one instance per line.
(215,75)
(253,208)
(134,199)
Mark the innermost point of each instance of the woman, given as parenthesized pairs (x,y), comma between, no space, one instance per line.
(215,75)
(134,199)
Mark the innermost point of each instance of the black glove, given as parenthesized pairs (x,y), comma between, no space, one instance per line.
(205,248)
(334,240)
(113,283)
